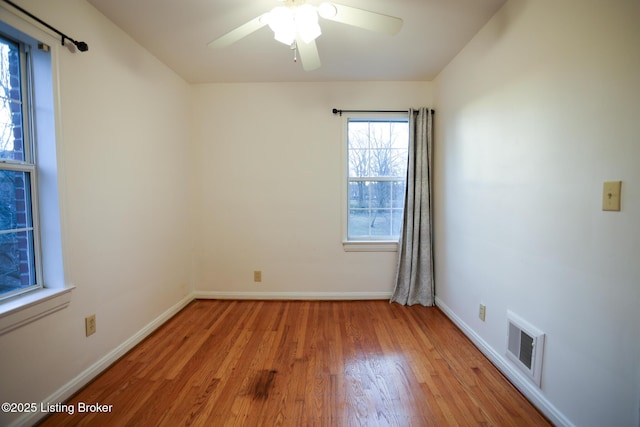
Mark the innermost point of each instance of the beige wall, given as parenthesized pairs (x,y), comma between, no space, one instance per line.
(533,116)
(271,180)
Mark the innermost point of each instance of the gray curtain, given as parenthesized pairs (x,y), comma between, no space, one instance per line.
(414,275)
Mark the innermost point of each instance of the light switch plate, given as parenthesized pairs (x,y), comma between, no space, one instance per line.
(611,195)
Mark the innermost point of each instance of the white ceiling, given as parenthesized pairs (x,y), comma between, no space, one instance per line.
(177,32)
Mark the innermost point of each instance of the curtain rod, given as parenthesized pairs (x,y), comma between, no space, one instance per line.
(82,46)
(336,111)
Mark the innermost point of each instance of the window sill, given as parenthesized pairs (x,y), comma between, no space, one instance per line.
(33,306)
(369,246)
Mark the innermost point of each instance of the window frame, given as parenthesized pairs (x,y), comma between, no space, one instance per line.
(28,165)
(373,244)
(55,293)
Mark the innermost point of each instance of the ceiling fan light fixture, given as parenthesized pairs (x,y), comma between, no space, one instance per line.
(282,23)
(288,22)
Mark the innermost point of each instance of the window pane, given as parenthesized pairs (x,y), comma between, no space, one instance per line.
(381,223)
(17,254)
(359,221)
(396,221)
(359,195)
(15,200)
(388,162)
(397,194)
(374,223)
(358,163)
(375,212)
(378,148)
(381,194)
(11,123)
(17,262)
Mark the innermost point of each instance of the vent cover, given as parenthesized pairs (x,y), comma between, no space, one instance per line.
(525,345)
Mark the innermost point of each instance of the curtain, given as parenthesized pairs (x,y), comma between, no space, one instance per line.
(414,274)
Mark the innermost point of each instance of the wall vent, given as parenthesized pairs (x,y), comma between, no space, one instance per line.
(525,346)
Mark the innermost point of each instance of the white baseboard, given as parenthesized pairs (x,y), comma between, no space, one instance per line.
(66,391)
(525,386)
(292,295)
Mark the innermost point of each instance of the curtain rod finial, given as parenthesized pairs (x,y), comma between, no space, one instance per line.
(82,46)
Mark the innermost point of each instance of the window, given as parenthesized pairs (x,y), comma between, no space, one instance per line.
(377,149)
(19,242)
(32,282)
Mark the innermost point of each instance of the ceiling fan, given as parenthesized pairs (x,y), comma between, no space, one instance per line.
(295,23)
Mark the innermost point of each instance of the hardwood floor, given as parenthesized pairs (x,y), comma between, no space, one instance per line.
(303,363)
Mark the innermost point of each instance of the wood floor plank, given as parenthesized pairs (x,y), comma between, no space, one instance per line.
(312,363)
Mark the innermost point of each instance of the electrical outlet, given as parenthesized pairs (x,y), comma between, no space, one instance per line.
(483,312)
(90,324)
(257,276)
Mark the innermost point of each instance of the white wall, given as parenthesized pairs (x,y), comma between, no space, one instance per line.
(271,181)
(532,117)
(125,162)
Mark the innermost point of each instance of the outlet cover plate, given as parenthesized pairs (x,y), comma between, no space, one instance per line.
(611,195)
(90,324)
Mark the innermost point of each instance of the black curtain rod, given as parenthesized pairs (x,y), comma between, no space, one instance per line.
(336,111)
(82,46)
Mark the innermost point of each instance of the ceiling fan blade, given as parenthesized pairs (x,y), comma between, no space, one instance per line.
(241,32)
(361,18)
(308,54)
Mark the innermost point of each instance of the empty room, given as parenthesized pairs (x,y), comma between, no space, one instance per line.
(363,213)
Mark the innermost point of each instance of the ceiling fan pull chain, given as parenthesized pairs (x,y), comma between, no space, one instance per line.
(294,48)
